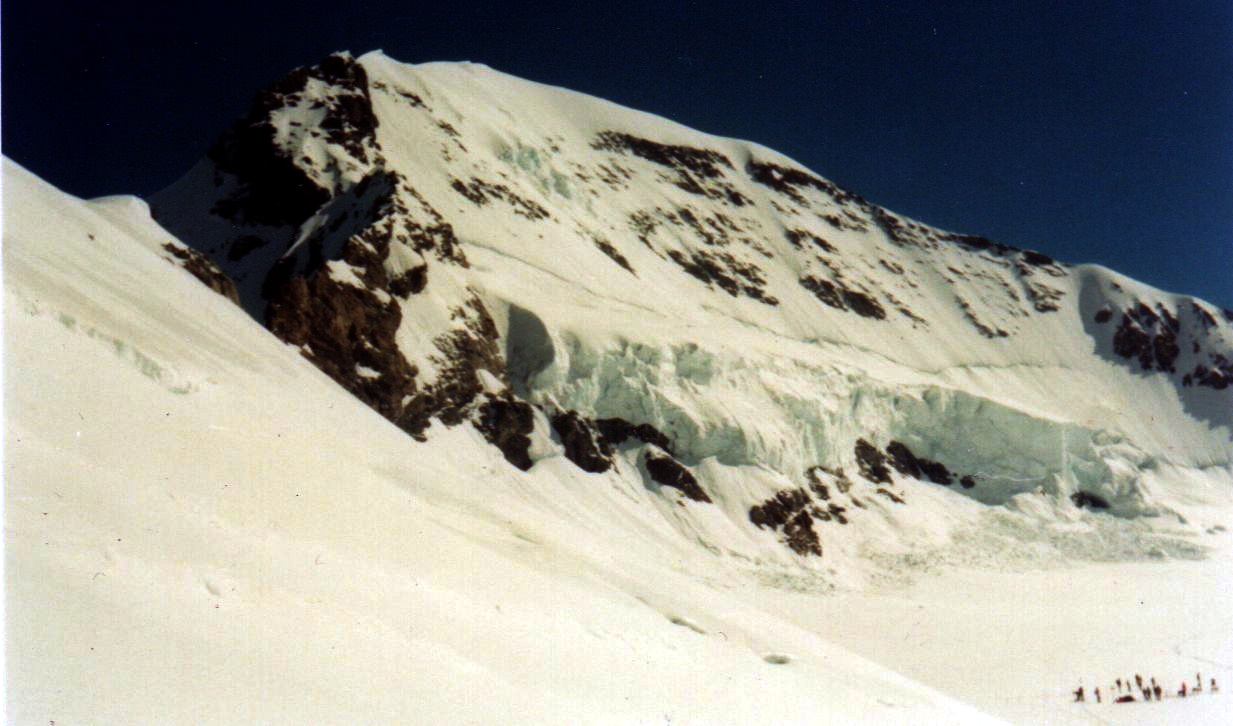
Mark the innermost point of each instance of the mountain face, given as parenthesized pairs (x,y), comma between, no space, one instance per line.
(781,360)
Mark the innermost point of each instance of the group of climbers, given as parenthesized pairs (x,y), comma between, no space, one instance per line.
(1124,691)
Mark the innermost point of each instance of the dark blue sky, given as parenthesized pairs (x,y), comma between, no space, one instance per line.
(1093,131)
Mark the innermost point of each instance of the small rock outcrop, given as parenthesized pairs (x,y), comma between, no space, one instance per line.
(584,445)
(669,472)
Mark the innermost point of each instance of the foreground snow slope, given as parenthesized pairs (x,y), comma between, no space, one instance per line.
(202,528)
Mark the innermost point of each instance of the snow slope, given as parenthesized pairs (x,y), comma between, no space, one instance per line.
(683,405)
(202,528)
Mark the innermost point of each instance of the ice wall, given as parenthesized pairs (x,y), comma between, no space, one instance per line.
(787,415)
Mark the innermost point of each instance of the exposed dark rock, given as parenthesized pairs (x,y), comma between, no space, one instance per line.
(816,476)
(1166,350)
(935,471)
(703,162)
(1205,318)
(979,243)
(824,290)
(800,535)
(779,509)
(584,445)
(891,267)
(616,431)
(983,329)
(1083,499)
(669,472)
(842,298)
(410,282)
(1044,299)
(643,224)
(790,512)
(204,270)
(463,352)
(909,464)
(1149,336)
(341,328)
(890,495)
(903,460)
(606,247)
(731,275)
(507,424)
(871,462)
(272,189)
(1217,375)
(967,481)
(897,229)
(1103,315)
(1032,257)
(798,237)
(697,171)
(480,192)
(789,182)
(864,305)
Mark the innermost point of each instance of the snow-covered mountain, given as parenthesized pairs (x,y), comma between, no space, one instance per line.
(452,244)
(631,368)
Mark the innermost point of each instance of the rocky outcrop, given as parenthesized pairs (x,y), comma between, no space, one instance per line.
(909,464)
(507,423)
(1089,500)
(790,512)
(1149,336)
(271,187)
(871,462)
(335,248)
(617,431)
(697,171)
(584,445)
(200,267)
(667,471)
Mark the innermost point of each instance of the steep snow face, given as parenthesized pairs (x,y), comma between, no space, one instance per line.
(699,315)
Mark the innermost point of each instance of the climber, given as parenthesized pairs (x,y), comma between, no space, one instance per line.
(1079,694)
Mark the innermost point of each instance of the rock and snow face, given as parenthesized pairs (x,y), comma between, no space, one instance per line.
(452,244)
(673,385)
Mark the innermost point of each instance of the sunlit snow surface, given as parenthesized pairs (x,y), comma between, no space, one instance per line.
(202,528)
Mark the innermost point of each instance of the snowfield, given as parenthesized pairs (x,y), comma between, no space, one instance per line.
(869,471)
